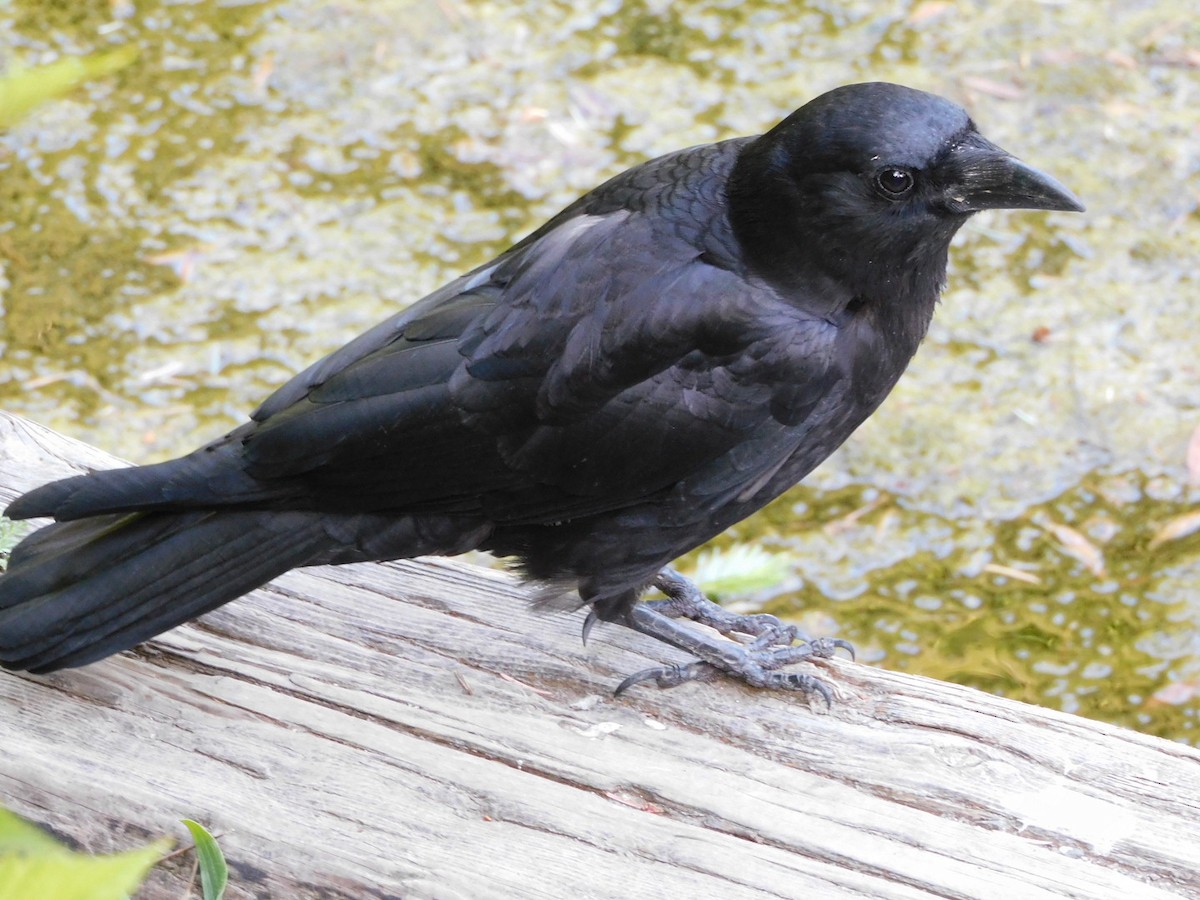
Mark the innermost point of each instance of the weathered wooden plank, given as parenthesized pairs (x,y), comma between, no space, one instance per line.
(415,730)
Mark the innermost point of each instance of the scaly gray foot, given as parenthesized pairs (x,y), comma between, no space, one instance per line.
(761,645)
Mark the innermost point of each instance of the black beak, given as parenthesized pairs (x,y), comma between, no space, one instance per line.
(982,176)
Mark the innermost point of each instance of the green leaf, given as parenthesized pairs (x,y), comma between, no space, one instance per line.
(34,866)
(19,836)
(214,874)
(21,90)
(740,569)
(10,535)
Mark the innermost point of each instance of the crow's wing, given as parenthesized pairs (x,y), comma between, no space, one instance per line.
(575,376)
(611,355)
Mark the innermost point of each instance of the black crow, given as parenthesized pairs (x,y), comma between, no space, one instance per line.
(662,358)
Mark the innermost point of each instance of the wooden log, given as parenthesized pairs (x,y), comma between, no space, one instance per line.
(415,730)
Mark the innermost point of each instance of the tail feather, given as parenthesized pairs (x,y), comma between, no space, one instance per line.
(205,479)
(61,540)
(78,591)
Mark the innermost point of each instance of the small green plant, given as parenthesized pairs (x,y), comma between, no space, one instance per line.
(214,874)
(10,535)
(34,866)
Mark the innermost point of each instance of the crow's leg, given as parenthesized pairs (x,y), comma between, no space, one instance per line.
(770,647)
(686,601)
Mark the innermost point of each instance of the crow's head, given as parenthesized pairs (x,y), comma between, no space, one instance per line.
(868,183)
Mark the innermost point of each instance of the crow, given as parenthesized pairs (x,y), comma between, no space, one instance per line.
(662,358)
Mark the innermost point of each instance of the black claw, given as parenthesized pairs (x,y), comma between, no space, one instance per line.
(845,645)
(635,678)
(826,647)
(817,686)
(588,624)
(669,676)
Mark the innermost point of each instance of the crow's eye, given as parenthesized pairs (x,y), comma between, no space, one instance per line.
(894,182)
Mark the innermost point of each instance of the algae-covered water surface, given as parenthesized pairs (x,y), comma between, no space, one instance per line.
(250,185)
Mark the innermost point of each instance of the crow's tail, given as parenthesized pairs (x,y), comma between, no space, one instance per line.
(78,591)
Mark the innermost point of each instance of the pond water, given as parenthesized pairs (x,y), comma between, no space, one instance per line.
(266,180)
